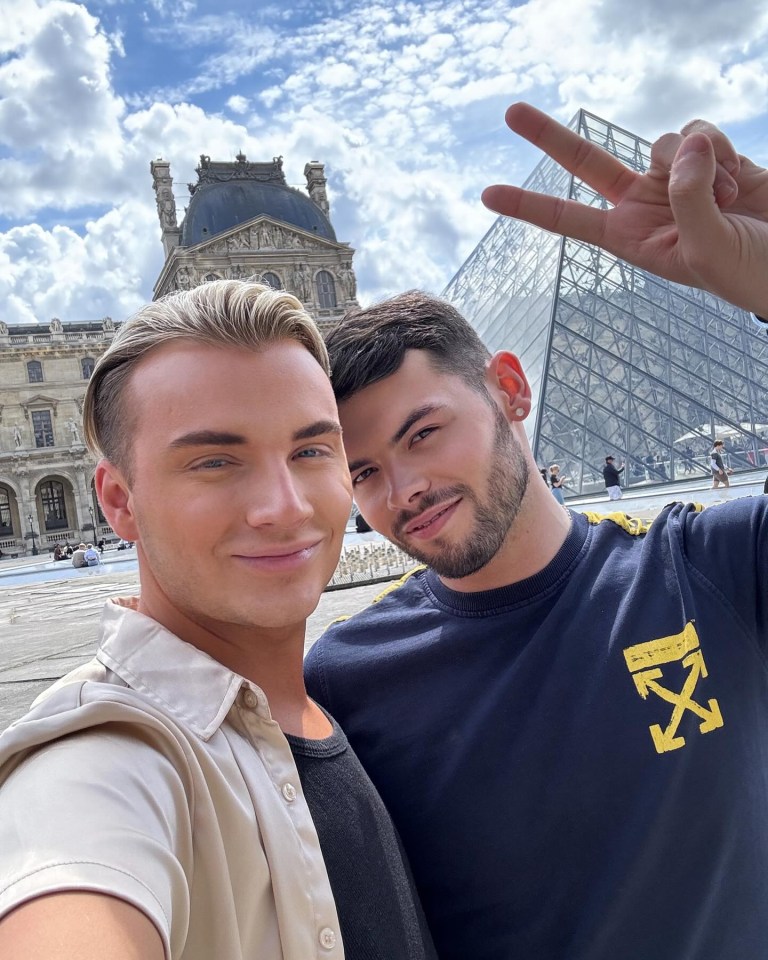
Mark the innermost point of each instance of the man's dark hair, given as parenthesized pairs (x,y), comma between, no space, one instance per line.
(369,345)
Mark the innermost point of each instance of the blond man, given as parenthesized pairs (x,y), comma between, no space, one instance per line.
(180,796)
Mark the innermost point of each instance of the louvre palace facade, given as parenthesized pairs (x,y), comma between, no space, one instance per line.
(620,362)
(46,473)
(242,220)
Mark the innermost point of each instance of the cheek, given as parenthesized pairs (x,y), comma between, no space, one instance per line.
(331,497)
(374,508)
(343,497)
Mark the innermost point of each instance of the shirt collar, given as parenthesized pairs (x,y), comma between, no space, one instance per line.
(179,679)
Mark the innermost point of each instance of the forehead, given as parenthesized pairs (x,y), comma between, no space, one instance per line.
(189,385)
(379,410)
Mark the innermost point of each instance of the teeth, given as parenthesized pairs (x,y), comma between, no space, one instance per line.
(429,523)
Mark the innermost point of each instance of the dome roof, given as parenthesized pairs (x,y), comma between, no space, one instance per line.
(217,207)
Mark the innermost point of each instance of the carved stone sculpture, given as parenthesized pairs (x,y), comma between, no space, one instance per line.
(347,275)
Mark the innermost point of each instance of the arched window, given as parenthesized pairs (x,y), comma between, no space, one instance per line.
(211,276)
(326,290)
(86,365)
(272,280)
(54,505)
(35,371)
(6,519)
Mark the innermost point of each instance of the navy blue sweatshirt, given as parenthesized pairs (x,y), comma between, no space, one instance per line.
(577,764)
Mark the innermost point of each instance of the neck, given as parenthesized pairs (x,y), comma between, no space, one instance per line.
(270,657)
(537,533)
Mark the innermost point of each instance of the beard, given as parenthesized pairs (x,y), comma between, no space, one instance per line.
(495,511)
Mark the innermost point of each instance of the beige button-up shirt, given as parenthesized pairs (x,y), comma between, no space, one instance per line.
(158,776)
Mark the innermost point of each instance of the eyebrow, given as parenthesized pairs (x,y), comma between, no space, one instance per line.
(413,417)
(208,438)
(318,429)
(221,438)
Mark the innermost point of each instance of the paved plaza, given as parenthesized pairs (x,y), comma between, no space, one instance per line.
(47,628)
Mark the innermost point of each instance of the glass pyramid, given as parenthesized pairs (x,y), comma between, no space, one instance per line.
(620,362)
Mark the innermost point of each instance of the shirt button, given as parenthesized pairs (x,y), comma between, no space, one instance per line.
(327,938)
(289,792)
(250,699)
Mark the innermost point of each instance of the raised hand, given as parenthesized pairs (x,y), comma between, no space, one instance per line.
(699,216)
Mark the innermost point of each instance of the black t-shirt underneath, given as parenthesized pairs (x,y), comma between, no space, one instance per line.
(379,910)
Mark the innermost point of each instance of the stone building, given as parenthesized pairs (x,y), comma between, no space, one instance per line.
(46,473)
(244,220)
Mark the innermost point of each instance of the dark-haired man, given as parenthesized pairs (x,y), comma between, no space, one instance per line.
(566,716)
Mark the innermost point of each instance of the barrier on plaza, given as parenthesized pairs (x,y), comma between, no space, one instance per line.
(373,561)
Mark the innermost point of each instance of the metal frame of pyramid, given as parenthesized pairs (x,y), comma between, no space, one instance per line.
(620,361)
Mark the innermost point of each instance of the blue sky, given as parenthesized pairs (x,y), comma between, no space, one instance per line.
(403,102)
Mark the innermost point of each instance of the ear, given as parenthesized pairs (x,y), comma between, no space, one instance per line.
(507,382)
(115,498)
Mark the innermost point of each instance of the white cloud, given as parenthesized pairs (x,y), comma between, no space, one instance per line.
(47,273)
(238,104)
(403,103)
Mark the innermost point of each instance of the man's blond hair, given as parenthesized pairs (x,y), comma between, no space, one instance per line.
(222,313)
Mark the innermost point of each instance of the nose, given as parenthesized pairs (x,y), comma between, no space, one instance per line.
(405,485)
(278,498)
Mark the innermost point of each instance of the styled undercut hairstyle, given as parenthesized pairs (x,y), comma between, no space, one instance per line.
(369,345)
(222,313)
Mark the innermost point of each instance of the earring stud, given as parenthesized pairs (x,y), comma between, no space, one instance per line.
(519,412)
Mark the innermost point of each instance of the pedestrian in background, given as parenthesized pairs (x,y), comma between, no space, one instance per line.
(557,482)
(612,479)
(78,557)
(719,473)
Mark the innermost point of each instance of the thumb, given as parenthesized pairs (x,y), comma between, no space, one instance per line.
(691,192)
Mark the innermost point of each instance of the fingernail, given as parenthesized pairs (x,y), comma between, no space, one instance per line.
(724,191)
(694,143)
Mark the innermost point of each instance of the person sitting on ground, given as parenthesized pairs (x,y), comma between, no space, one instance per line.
(58,553)
(92,558)
(78,557)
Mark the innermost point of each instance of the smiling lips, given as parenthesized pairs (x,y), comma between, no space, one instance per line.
(430,522)
(281,558)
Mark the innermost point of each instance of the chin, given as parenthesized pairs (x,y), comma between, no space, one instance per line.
(299,606)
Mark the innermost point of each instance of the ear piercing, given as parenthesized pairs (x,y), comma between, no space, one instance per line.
(519,412)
